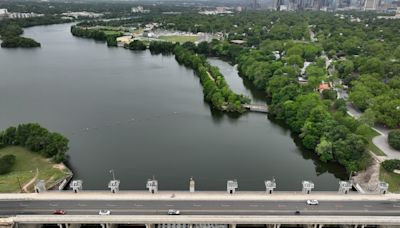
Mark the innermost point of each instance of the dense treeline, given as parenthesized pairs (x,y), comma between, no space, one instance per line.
(37,139)
(6,163)
(334,136)
(136,45)
(95,34)
(164,48)
(367,54)
(18,41)
(215,89)
(10,34)
(11,29)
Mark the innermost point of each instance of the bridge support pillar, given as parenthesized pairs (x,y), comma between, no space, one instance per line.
(277,225)
(232,226)
(150,225)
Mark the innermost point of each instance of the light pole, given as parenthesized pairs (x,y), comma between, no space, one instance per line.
(113,174)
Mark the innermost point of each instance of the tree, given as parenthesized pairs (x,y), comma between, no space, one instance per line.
(136,45)
(372,65)
(394,139)
(6,163)
(391,165)
(295,60)
(324,150)
(368,117)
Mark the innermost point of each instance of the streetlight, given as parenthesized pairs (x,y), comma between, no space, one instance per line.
(113,174)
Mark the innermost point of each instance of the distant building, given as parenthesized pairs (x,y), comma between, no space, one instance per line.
(83,14)
(3,12)
(23,15)
(139,9)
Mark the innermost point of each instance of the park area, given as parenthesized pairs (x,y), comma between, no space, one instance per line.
(28,168)
(179,39)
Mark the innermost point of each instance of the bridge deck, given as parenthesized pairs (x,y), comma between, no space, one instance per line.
(256,108)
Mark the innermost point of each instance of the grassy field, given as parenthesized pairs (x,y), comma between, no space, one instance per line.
(111,32)
(371,145)
(393,179)
(179,39)
(25,169)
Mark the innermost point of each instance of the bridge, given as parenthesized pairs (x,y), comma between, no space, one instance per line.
(256,108)
(199,209)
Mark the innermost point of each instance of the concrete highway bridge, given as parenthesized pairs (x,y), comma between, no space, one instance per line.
(199,209)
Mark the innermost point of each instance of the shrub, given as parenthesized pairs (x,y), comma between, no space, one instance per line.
(391,165)
(6,163)
(394,139)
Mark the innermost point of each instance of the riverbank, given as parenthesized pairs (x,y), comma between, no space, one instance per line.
(29,168)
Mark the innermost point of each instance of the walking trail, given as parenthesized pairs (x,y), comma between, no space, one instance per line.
(26,186)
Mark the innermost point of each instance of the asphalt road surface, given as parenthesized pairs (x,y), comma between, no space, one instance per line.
(160,207)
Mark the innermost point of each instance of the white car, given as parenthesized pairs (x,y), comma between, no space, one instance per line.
(173,212)
(312,202)
(104,212)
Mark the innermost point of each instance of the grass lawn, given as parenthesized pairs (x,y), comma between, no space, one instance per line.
(112,32)
(25,169)
(371,145)
(393,179)
(179,39)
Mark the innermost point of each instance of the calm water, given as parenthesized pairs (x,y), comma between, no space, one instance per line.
(144,115)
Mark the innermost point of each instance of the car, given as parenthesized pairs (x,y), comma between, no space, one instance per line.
(297,212)
(173,212)
(312,202)
(59,212)
(104,212)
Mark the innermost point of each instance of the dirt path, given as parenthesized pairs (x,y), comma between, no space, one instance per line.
(26,186)
(209,75)
(368,179)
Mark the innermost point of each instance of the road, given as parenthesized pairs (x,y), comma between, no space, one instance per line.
(190,207)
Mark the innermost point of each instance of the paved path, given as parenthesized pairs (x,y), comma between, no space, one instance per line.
(381,140)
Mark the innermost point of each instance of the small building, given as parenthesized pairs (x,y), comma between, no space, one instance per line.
(323,86)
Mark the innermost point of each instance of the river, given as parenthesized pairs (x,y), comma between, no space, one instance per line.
(144,115)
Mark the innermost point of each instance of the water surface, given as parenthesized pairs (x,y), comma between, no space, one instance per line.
(144,115)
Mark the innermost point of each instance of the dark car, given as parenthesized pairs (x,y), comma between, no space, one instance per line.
(297,212)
